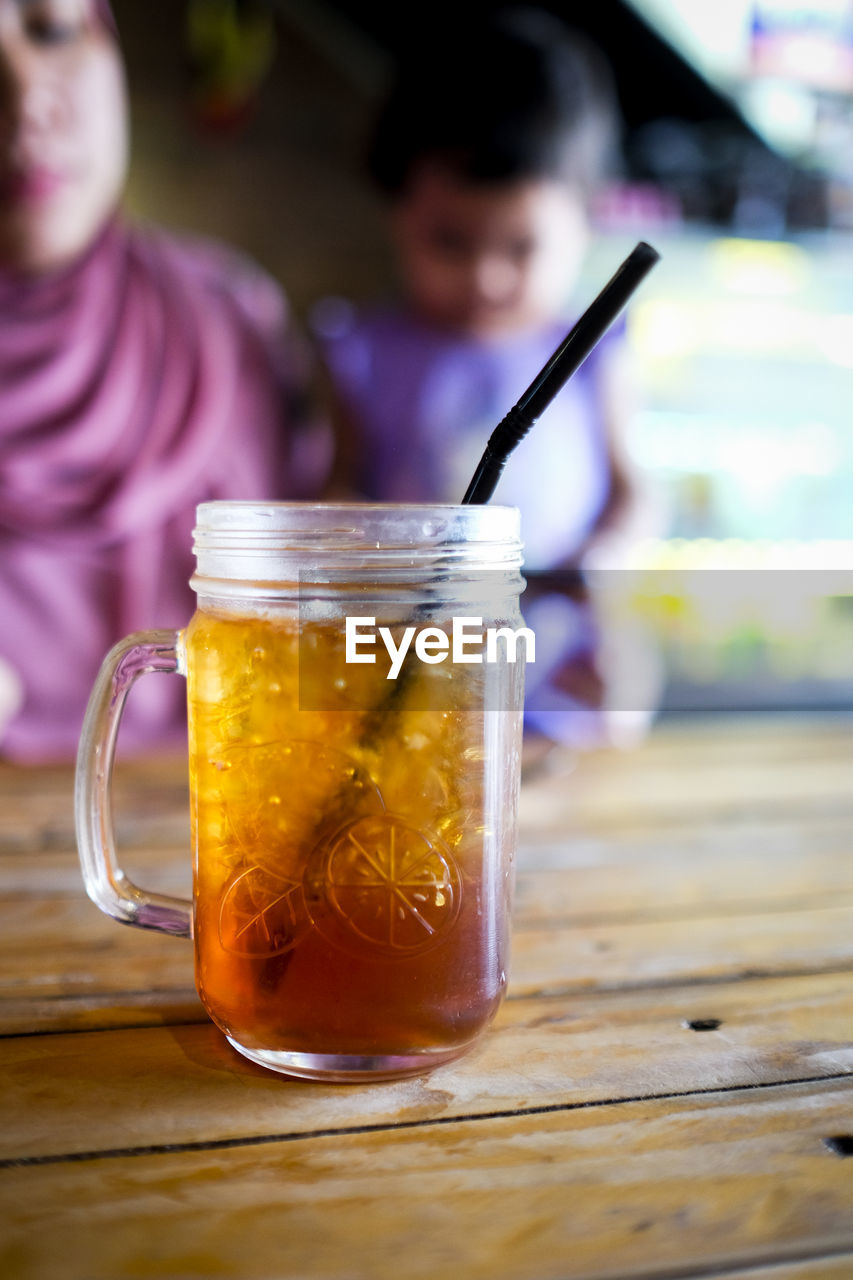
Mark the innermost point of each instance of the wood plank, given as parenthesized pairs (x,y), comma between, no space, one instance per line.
(166,869)
(760,860)
(840,1268)
(28,1015)
(617,797)
(708,871)
(745,737)
(767,834)
(663,1188)
(150,803)
(727,763)
(731,764)
(69,1093)
(50,947)
(699,949)
(580,874)
(64,947)
(610,804)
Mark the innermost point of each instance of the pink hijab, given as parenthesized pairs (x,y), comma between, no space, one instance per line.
(105,14)
(152,374)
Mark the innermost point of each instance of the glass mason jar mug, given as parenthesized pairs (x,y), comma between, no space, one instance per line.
(355,684)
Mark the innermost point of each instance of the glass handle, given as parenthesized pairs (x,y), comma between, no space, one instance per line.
(106,883)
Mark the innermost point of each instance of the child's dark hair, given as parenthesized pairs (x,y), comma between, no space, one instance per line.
(514,95)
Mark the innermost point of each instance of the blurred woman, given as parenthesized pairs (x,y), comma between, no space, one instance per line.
(140,373)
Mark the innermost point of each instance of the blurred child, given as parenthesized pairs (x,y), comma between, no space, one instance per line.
(489,148)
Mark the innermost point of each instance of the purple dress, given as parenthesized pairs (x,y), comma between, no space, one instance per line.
(425,402)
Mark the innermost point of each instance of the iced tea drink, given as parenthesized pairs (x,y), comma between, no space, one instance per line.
(353,835)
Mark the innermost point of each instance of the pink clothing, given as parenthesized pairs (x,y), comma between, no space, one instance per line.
(147,377)
(105,15)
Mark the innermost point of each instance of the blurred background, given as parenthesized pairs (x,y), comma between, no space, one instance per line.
(249,118)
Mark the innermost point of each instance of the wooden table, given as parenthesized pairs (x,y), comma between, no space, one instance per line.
(667,1091)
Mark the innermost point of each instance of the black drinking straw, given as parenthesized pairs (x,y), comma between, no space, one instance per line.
(568,357)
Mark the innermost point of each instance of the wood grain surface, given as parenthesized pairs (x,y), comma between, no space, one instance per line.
(667,1091)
